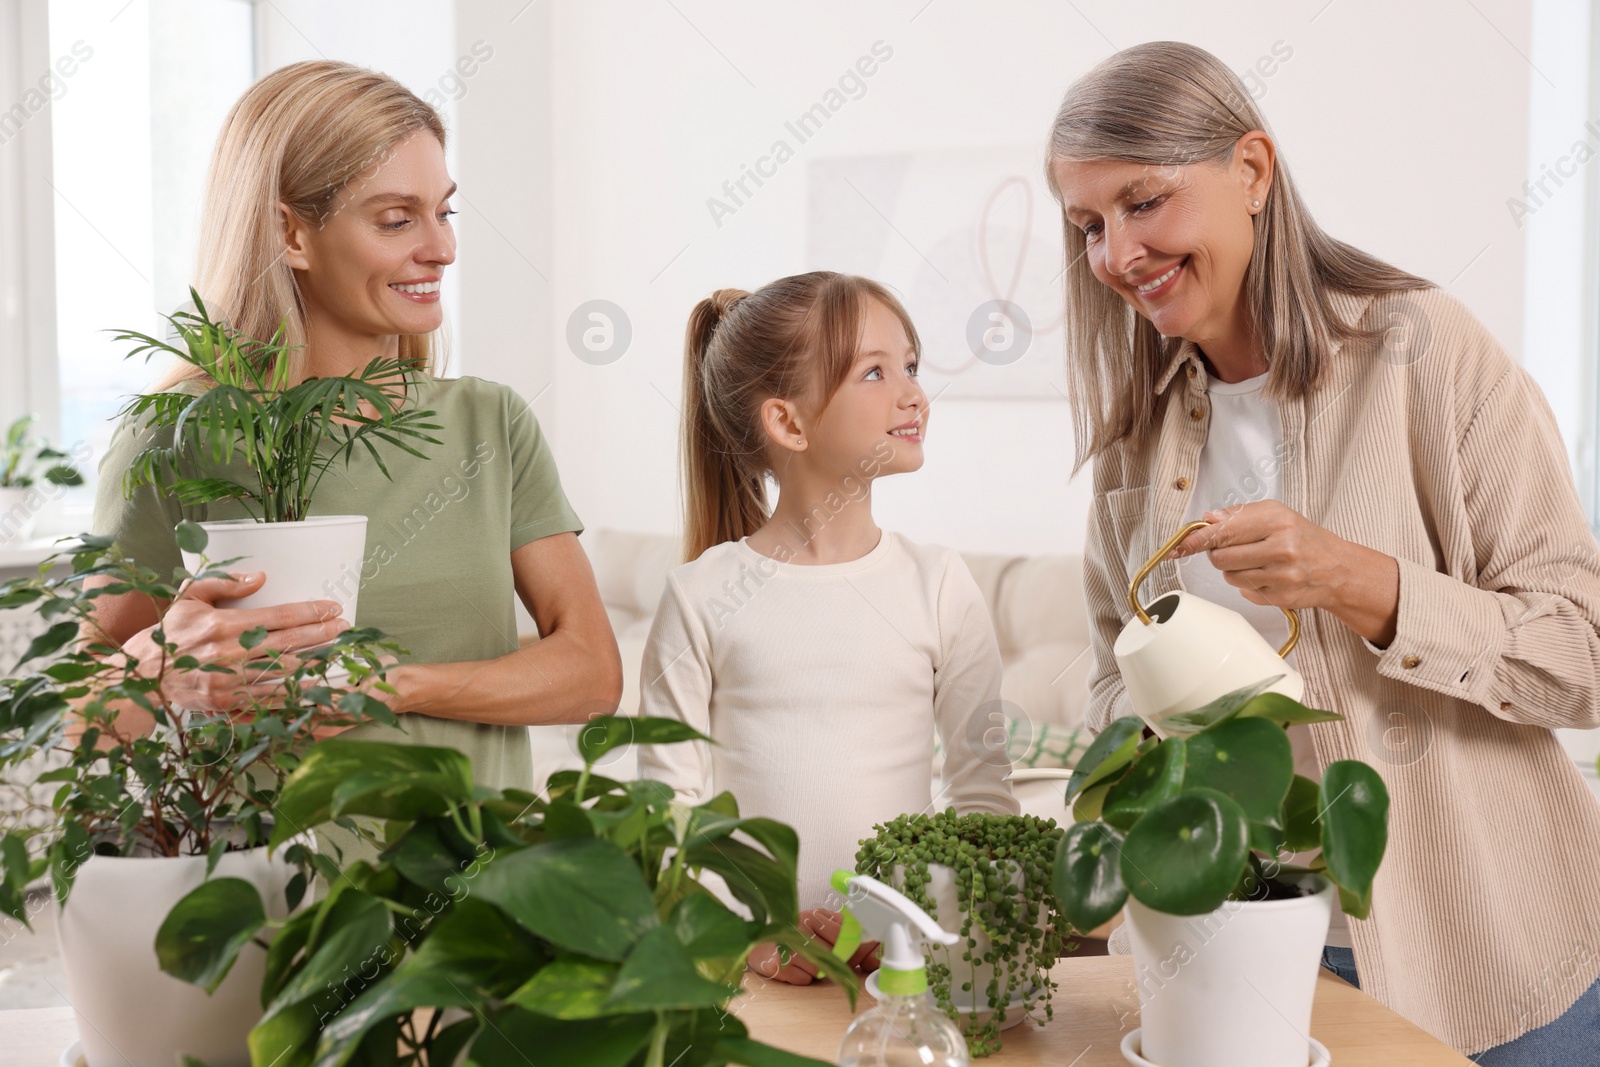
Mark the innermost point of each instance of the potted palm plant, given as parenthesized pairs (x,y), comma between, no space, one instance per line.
(253,438)
(496,926)
(24,463)
(134,823)
(1191,834)
(986,878)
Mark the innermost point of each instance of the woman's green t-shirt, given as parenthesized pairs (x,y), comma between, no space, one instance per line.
(437,570)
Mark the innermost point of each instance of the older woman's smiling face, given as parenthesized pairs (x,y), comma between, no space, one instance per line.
(1173,241)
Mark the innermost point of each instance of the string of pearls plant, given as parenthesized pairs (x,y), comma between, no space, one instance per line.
(1001,867)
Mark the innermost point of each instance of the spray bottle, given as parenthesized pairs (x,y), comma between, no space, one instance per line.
(906,1027)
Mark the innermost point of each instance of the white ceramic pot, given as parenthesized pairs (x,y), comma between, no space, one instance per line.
(942,890)
(314,559)
(130,1012)
(17,514)
(1192,652)
(1232,987)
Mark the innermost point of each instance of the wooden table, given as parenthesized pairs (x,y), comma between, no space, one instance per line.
(1094,1006)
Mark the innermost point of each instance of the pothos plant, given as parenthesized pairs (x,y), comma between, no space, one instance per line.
(25,460)
(1214,812)
(199,784)
(1001,866)
(287,435)
(571,927)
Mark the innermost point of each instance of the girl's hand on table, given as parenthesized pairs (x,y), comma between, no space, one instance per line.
(818,924)
(824,926)
(1277,557)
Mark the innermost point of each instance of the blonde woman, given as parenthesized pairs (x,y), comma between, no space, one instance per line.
(1369,456)
(328,210)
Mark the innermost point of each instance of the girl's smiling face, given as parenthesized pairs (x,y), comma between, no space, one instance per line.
(1173,241)
(879,416)
(374,267)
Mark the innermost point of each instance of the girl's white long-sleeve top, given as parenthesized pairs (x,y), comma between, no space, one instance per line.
(822,687)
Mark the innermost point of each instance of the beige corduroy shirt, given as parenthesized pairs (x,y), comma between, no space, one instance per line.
(1442,453)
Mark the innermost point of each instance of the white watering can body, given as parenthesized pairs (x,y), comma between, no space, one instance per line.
(1182,651)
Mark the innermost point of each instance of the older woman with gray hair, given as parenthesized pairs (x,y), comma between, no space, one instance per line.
(1366,454)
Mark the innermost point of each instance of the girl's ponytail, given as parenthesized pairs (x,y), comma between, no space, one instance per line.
(725,496)
(794,339)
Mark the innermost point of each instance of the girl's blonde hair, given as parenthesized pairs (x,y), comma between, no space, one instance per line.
(1170,104)
(793,339)
(296,137)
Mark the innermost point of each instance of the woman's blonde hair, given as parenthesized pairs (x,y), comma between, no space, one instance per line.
(296,137)
(793,339)
(1166,104)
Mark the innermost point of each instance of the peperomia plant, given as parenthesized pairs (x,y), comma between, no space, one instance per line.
(287,435)
(1186,823)
(495,925)
(1001,868)
(25,460)
(199,784)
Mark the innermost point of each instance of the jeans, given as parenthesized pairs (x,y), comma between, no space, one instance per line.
(1573,1040)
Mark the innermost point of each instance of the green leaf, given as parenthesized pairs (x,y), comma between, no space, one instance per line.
(660,975)
(1221,709)
(286,1038)
(203,933)
(252,637)
(1088,876)
(707,929)
(1275,707)
(1108,753)
(563,818)
(380,1002)
(352,932)
(50,642)
(474,943)
(192,537)
(601,735)
(1185,856)
(1156,776)
(568,989)
(1302,827)
(613,1041)
(1249,760)
(395,781)
(1355,829)
(758,882)
(583,894)
(430,853)
(1089,804)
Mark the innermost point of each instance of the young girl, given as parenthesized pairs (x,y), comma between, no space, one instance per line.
(819,651)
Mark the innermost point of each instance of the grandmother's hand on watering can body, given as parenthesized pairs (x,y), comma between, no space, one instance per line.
(1278,557)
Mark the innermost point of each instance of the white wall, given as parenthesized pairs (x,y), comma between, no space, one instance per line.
(589,139)
(1406,127)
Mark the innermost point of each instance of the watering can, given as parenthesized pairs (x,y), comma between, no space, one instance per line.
(1181,652)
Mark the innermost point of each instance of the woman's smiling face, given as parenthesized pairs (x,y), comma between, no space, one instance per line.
(374,267)
(1173,241)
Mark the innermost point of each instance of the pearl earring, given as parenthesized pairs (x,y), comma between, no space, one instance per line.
(1255,203)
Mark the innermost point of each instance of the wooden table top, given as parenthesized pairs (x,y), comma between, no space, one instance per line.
(1095,1005)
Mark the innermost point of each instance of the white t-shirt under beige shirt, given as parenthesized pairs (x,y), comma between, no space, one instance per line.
(823,686)
(1242,462)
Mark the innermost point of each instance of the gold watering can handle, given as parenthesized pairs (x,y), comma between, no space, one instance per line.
(1160,553)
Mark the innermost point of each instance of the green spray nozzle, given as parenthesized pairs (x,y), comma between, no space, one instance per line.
(890,917)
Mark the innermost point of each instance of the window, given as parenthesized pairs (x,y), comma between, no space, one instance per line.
(132,127)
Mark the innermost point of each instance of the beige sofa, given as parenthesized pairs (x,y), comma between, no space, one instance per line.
(1036,603)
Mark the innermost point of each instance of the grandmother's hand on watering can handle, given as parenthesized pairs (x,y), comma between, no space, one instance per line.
(1277,557)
